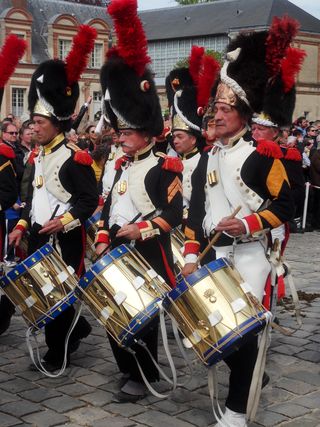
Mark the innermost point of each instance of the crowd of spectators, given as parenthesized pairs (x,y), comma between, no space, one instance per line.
(305,136)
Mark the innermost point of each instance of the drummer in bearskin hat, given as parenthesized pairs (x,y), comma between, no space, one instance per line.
(188,91)
(277,110)
(147,187)
(62,182)
(12,51)
(239,172)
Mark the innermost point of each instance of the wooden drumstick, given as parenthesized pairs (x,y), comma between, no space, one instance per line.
(216,237)
(54,212)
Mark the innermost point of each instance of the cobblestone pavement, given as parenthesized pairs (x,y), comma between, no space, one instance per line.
(83,395)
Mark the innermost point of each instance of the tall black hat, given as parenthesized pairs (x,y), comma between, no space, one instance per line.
(188,90)
(130,97)
(54,88)
(259,72)
(12,51)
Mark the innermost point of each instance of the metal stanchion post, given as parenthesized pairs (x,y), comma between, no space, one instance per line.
(305,206)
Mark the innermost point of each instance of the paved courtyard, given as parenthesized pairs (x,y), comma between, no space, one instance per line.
(83,395)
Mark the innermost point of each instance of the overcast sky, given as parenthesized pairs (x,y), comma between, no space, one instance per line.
(310,6)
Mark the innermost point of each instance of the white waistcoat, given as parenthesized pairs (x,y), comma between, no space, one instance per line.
(230,191)
(137,173)
(189,166)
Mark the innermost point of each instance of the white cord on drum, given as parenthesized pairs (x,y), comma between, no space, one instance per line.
(256,382)
(38,364)
(182,350)
(213,391)
(159,369)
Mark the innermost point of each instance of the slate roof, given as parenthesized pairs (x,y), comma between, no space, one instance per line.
(43,12)
(220,17)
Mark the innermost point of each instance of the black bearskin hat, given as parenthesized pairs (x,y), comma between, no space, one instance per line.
(259,73)
(50,86)
(188,89)
(54,88)
(130,96)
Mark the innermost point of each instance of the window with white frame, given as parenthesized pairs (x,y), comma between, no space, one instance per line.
(166,53)
(18,104)
(96,98)
(64,48)
(96,56)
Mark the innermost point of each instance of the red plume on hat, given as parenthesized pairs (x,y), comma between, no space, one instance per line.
(283,65)
(11,52)
(78,57)
(207,76)
(204,69)
(280,35)
(281,58)
(132,44)
(195,62)
(129,90)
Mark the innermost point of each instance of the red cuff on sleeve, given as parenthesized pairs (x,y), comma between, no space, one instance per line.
(20,228)
(191,248)
(254,223)
(102,237)
(101,201)
(143,224)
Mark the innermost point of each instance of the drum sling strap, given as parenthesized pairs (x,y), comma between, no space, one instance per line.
(173,382)
(36,358)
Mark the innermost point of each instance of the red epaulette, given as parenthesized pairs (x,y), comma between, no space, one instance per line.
(83,158)
(293,154)
(6,151)
(172,164)
(80,156)
(269,149)
(119,162)
(34,153)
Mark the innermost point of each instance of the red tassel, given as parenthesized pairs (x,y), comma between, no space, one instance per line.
(266,302)
(83,157)
(290,67)
(195,61)
(172,164)
(119,162)
(293,154)
(281,288)
(132,43)
(269,149)
(6,151)
(281,34)
(33,155)
(78,57)
(207,76)
(12,51)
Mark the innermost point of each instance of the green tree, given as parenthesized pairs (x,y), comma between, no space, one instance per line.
(185,2)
